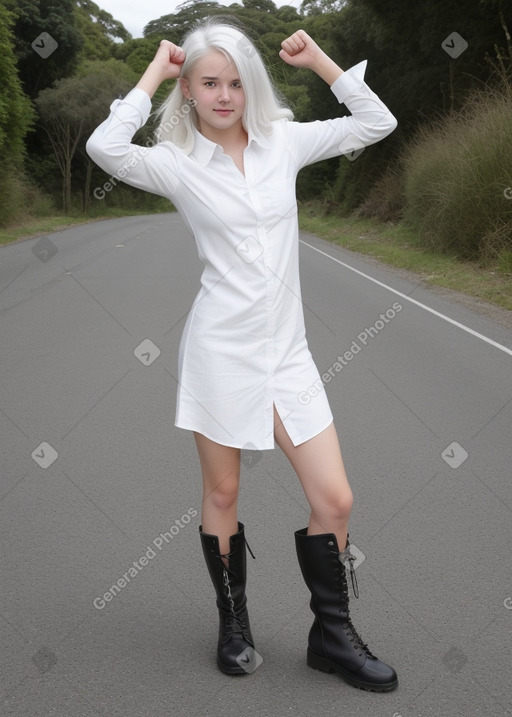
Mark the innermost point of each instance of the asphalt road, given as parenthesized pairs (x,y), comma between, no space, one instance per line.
(95,478)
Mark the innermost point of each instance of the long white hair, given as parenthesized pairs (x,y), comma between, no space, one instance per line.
(263,102)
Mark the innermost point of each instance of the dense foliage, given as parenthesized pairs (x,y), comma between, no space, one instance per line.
(424,60)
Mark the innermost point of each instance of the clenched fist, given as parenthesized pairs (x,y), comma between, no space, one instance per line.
(300,50)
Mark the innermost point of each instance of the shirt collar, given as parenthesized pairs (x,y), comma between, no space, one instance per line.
(204,149)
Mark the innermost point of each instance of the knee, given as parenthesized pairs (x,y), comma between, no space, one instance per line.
(338,506)
(224,494)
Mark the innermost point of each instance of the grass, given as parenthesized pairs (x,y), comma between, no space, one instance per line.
(457,176)
(36,226)
(398,245)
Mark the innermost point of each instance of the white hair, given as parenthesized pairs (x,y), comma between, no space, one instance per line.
(263,102)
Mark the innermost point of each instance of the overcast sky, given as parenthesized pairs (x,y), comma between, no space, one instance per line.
(135,16)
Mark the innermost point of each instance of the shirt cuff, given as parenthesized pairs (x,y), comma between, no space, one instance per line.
(349,81)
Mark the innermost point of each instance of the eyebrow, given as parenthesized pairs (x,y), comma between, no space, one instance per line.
(206,77)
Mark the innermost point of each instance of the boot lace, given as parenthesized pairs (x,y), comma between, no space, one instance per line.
(351,632)
(234,622)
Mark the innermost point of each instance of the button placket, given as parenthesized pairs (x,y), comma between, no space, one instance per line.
(266,258)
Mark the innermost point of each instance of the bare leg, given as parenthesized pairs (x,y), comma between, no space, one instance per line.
(319,466)
(220,467)
(221,474)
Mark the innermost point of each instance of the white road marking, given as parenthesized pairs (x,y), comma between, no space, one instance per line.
(413,301)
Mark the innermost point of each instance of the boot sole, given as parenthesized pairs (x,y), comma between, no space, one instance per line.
(232,670)
(324,664)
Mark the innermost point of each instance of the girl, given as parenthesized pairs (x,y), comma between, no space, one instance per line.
(227,156)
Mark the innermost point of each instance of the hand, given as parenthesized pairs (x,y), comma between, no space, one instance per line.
(166,65)
(168,59)
(300,50)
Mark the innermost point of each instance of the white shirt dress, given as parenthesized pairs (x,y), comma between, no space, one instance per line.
(243,348)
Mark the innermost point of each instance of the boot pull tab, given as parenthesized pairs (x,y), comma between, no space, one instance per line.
(355,586)
(249,549)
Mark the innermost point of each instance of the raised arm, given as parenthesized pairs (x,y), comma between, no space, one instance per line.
(370,119)
(151,168)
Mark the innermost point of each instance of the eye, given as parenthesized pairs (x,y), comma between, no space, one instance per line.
(209,83)
(237,84)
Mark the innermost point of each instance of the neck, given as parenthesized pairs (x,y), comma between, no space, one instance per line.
(227,138)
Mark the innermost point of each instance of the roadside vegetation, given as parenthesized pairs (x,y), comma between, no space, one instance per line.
(444,209)
(435,197)
(397,245)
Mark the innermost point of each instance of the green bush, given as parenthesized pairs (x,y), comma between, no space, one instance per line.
(13,198)
(385,199)
(458,180)
(21,199)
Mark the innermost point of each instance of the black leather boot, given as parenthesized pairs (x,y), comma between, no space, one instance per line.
(235,650)
(334,645)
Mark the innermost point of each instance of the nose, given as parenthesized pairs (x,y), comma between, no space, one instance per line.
(224,95)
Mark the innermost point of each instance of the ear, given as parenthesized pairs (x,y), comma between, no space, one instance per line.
(185,87)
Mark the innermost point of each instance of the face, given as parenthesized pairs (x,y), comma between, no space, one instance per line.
(214,83)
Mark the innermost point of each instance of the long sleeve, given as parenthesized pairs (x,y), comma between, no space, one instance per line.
(370,121)
(155,169)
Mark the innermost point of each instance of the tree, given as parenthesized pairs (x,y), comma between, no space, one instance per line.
(57,18)
(99,30)
(261,5)
(137,53)
(407,66)
(16,114)
(174,26)
(71,109)
(319,7)
(287,13)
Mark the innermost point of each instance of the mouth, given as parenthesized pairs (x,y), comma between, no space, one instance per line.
(223,112)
